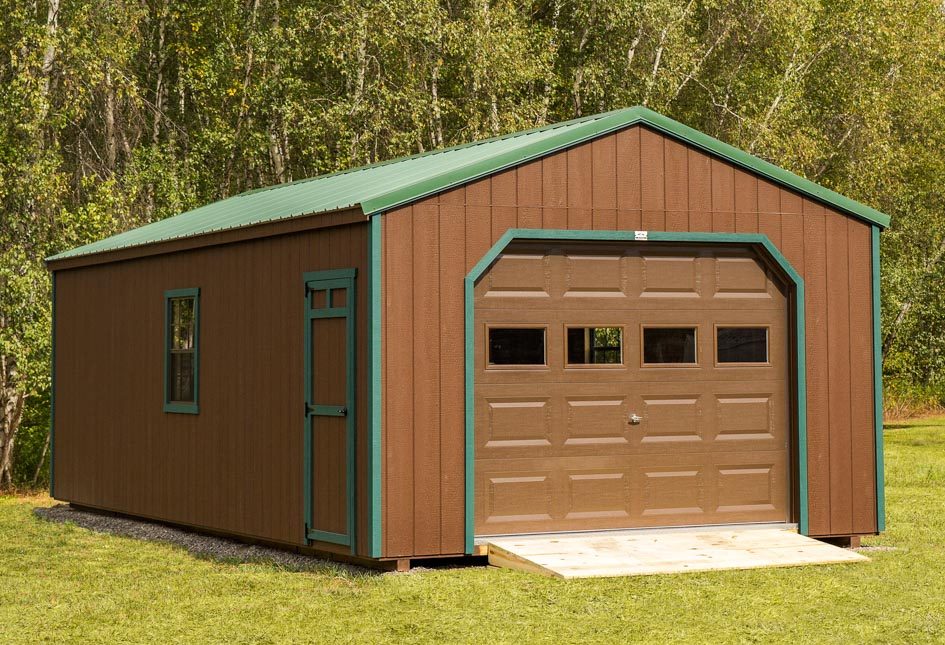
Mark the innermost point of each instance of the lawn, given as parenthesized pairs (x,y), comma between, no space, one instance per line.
(61,583)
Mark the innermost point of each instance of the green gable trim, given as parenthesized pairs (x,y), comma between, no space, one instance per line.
(761,167)
(606,124)
(380,187)
(643,237)
(878,388)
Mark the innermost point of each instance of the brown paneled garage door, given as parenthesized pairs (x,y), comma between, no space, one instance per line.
(629,385)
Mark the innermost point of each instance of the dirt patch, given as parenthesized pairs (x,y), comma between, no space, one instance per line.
(203,546)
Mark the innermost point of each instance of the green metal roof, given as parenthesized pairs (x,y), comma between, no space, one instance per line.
(382,186)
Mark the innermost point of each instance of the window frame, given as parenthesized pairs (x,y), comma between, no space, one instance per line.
(715,344)
(181,407)
(596,366)
(695,348)
(515,366)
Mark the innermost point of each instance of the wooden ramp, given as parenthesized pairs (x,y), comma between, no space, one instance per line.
(605,554)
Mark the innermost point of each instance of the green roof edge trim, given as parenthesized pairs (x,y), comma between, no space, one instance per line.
(764,168)
(374,197)
(605,124)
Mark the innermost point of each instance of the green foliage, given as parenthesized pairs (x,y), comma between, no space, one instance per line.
(115,114)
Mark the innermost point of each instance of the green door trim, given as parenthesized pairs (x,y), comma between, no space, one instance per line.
(878,387)
(747,239)
(328,280)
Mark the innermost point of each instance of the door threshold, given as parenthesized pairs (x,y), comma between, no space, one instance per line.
(786,526)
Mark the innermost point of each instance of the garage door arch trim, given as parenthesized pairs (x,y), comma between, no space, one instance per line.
(755,240)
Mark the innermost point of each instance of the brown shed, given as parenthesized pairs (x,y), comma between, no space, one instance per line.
(609,323)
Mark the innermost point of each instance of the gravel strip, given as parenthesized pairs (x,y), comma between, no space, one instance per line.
(203,546)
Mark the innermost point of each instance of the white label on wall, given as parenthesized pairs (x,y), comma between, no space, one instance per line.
(640,236)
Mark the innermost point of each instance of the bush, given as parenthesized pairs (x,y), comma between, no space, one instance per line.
(30,442)
(902,399)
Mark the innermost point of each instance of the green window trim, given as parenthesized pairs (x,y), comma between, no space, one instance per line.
(796,307)
(181,407)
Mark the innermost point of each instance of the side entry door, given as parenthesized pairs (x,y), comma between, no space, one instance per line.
(329,405)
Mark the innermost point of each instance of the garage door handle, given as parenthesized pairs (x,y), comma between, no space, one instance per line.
(635,420)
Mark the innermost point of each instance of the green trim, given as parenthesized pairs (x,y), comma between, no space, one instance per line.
(179,407)
(329,274)
(52,396)
(328,536)
(878,386)
(607,123)
(756,240)
(329,411)
(382,186)
(374,408)
(330,312)
(315,281)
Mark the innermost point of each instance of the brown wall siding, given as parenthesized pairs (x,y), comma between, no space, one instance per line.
(237,466)
(633,179)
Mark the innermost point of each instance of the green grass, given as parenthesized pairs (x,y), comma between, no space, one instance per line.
(61,583)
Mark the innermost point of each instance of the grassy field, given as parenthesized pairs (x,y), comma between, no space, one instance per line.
(61,583)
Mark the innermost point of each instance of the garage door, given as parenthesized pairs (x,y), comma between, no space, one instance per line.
(628,386)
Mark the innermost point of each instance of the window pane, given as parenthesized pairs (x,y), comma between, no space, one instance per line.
(182,323)
(669,345)
(594,345)
(181,376)
(742,344)
(517,346)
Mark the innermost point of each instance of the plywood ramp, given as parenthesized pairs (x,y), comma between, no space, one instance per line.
(591,555)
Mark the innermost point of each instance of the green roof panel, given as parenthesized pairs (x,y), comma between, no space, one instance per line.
(382,186)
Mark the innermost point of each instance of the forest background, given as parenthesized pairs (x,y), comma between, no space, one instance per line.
(115,113)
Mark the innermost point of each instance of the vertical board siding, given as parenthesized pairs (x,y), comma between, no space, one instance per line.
(236,466)
(838,365)
(398,476)
(426,358)
(633,179)
(452,418)
(813,233)
(863,488)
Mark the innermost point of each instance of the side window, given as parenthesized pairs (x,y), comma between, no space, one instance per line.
(181,350)
(516,345)
(595,345)
(669,345)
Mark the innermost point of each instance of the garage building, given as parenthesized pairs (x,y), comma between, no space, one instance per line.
(609,323)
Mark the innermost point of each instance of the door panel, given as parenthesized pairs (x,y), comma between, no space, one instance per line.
(555,448)
(329,433)
(329,407)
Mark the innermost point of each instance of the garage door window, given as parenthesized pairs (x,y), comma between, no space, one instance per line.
(669,345)
(742,345)
(595,345)
(517,346)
